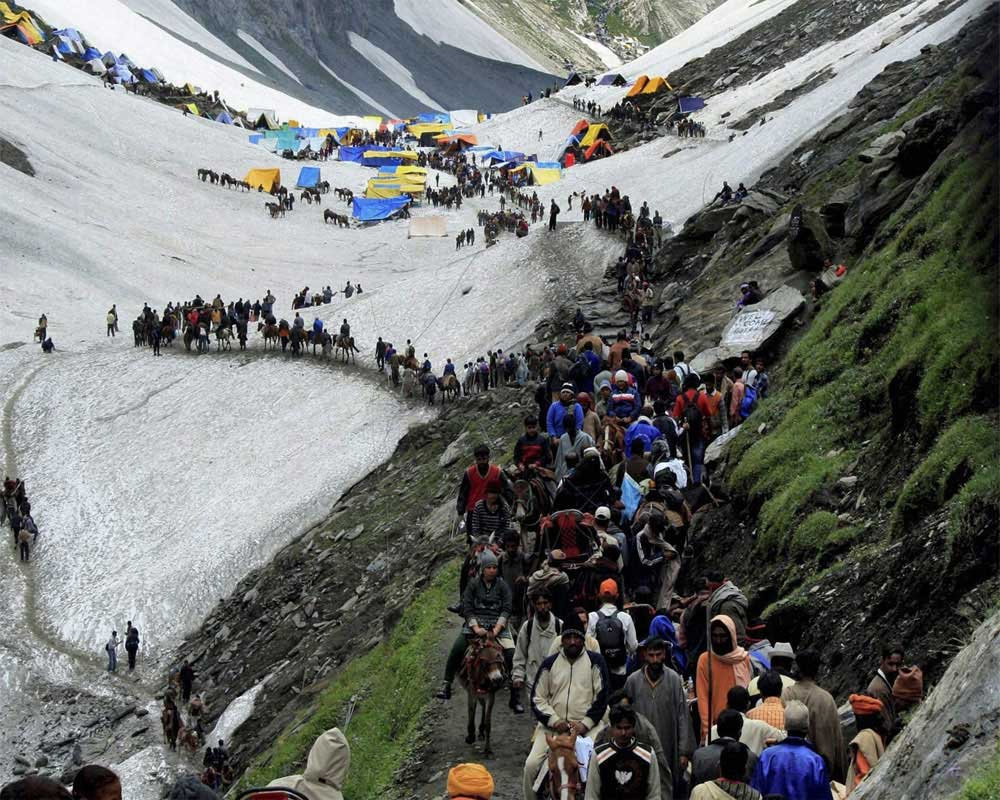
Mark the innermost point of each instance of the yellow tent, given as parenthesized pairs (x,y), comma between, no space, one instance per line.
(411,169)
(638,86)
(656,86)
(544,175)
(191,90)
(373,120)
(595,132)
(407,155)
(420,128)
(23,21)
(292,123)
(266,178)
(190,107)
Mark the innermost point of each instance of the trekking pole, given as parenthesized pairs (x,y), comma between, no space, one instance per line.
(708,654)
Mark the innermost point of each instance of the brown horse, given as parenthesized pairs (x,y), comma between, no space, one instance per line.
(270,335)
(483,676)
(450,388)
(564,770)
(345,346)
(612,441)
(532,501)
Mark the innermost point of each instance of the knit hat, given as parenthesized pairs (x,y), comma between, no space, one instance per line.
(609,586)
(487,558)
(909,686)
(621,375)
(862,705)
(572,625)
(470,780)
(567,387)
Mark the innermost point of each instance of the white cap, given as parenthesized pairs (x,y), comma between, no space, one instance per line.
(603,512)
(621,375)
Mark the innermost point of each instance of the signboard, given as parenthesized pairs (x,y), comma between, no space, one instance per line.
(747,327)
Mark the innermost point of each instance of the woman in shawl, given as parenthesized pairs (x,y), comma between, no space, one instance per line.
(729,667)
(867,747)
(663,627)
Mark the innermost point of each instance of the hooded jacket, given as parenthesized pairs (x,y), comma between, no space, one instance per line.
(326,768)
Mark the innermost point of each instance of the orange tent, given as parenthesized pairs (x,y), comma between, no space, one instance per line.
(638,86)
(599,148)
(656,86)
(579,128)
(458,141)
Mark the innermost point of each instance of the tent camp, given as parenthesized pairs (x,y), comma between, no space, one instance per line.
(309,178)
(264,177)
(19,25)
(573,79)
(375,209)
(594,133)
(612,79)
(598,149)
(428,226)
(688,104)
(95,67)
(539,175)
(638,86)
(263,119)
(656,86)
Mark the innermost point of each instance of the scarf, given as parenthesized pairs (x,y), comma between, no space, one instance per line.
(737,658)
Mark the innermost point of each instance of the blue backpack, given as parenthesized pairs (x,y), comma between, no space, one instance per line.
(749,401)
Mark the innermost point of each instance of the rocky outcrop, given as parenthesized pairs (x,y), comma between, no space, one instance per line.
(15,158)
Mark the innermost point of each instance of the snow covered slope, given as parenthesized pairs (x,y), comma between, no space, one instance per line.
(261,55)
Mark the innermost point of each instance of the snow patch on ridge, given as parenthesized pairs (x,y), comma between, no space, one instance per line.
(392,69)
(263,51)
(447,22)
(364,96)
(608,57)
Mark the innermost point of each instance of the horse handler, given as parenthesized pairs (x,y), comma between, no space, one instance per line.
(487,604)
(570,695)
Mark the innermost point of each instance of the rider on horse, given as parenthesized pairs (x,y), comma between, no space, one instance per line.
(487,605)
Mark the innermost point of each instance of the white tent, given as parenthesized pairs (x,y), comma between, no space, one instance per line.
(428,226)
(95,66)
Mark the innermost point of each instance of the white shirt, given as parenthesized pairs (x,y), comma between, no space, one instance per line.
(631,641)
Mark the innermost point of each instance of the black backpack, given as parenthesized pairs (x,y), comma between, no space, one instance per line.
(692,415)
(611,639)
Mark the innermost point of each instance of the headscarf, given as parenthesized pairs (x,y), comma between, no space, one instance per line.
(908,688)
(737,658)
(663,627)
(471,781)
(863,705)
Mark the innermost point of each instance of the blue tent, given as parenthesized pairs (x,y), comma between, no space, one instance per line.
(355,153)
(91,53)
(502,155)
(226,119)
(147,76)
(256,138)
(63,45)
(308,178)
(548,165)
(381,161)
(70,33)
(688,104)
(371,210)
(122,74)
(431,116)
(612,79)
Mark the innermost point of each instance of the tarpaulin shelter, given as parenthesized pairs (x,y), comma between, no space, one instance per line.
(159,75)
(69,33)
(225,118)
(95,67)
(374,209)
(380,158)
(147,76)
(580,127)
(19,25)
(404,169)
(598,149)
(309,177)
(540,176)
(91,53)
(458,141)
(498,156)
(109,59)
(612,79)
(191,108)
(428,226)
(191,89)
(65,45)
(122,74)
(263,119)
(688,104)
(638,86)
(264,177)
(573,79)
(434,116)
(595,132)
(256,138)
(657,86)
(355,154)
(419,129)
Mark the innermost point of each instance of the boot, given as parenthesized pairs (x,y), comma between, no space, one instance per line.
(444,693)
(515,701)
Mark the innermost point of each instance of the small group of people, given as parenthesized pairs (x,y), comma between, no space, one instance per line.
(15,510)
(42,334)
(130,642)
(728,195)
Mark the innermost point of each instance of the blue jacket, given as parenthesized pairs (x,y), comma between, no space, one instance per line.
(554,419)
(318,325)
(792,769)
(624,404)
(449,369)
(645,429)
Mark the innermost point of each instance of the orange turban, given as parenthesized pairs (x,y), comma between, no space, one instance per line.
(863,705)
(470,781)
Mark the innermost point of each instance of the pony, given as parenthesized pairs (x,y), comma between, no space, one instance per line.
(450,387)
(270,334)
(483,676)
(611,441)
(275,209)
(532,502)
(564,770)
(223,338)
(345,346)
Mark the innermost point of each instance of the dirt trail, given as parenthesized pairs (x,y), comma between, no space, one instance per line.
(444,745)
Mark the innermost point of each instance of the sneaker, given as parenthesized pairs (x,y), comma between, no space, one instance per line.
(456,609)
(444,693)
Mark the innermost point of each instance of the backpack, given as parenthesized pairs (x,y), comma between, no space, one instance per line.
(748,402)
(610,634)
(692,415)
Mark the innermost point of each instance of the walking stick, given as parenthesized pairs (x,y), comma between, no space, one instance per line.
(708,653)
